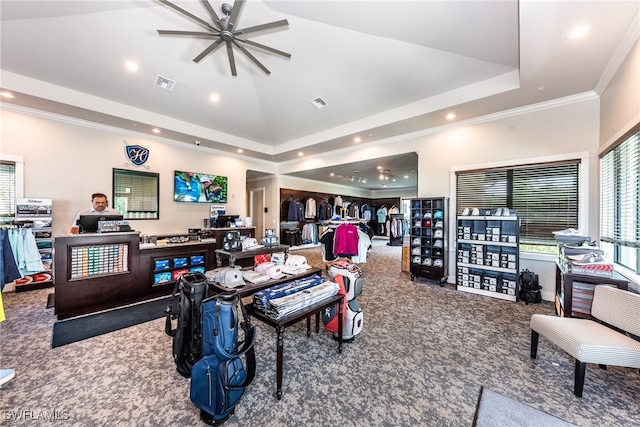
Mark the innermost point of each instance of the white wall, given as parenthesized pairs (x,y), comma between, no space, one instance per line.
(68,162)
(621,98)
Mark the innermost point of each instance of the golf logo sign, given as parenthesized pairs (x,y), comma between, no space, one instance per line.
(136,154)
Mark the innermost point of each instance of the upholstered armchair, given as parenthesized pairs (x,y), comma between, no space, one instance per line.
(610,339)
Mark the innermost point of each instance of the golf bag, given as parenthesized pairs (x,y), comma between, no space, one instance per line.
(185,307)
(219,379)
(349,276)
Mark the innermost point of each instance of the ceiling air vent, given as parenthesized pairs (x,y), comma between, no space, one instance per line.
(164,82)
(319,102)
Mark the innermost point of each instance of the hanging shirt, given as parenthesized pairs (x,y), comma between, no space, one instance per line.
(8,267)
(310,209)
(345,241)
(25,249)
(325,210)
(326,242)
(364,243)
(382,215)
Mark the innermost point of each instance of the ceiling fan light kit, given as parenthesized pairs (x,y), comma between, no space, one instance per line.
(223,31)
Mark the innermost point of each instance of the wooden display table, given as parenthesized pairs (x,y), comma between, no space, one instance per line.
(281,324)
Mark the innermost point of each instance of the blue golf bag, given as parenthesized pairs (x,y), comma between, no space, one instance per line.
(219,379)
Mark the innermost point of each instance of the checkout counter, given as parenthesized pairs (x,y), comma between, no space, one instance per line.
(94,272)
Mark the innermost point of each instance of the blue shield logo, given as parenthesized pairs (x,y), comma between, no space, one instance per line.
(136,154)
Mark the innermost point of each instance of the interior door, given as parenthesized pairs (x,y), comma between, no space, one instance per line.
(256,210)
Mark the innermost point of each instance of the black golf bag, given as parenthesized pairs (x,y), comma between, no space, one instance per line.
(186,308)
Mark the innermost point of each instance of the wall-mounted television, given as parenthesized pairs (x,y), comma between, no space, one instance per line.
(199,187)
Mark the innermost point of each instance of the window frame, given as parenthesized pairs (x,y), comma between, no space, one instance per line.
(625,257)
(583,185)
(18,162)
(148,213)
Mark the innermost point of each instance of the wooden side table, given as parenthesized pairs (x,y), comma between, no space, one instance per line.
(281,324)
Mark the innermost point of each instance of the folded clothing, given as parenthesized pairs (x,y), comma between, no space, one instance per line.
(261,298)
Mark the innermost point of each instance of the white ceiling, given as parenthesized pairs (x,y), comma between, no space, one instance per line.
(385,68)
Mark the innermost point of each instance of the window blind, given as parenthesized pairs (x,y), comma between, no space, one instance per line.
(7,191)
(619,188)
(544,195)
(135,191)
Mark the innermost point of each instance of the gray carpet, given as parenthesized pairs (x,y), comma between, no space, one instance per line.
(421,360)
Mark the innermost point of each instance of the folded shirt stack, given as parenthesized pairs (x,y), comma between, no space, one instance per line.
(283,306)
(261,298)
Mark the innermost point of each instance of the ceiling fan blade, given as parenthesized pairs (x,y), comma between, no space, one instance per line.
(212,13)
(184,12)
(232,60)
(251,57)
(187,33)
(276,24)
(213,46)
(235,14)
(261,46)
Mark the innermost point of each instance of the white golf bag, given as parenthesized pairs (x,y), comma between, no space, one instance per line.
(345,271)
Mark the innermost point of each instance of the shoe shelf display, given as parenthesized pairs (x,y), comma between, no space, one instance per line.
(429,254)
(487,249)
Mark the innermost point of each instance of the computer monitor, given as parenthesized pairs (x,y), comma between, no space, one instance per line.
(89,223)
(222,221)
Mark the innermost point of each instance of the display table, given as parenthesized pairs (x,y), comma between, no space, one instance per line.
(281,324)
(574,292)
(250,288)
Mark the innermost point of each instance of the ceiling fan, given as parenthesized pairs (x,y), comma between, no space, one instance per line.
(224,31)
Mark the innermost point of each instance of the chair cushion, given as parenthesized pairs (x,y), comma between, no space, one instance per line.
(617,307)
(588,341)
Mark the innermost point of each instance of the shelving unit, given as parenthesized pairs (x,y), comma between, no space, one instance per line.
(488,255)
(38,214)
(429,239)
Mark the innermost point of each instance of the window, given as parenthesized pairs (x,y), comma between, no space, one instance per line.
(136,194)
(544,195)
(7,191)
(620,203)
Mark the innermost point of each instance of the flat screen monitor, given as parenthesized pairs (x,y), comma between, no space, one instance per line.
(89,223)
(199,187)
(223,221)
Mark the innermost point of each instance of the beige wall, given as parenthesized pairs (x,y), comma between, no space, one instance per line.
(620,101)
(68,162)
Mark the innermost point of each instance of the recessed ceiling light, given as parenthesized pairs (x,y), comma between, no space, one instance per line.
(240,150)
(155,130)
(406,176)
(300,153)
(451,116)
(214,97)
(131,66)
(357,139)
(332,174)
(379,168)
(578,32)
(6,94)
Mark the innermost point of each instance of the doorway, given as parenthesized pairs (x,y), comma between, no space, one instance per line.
(256,209)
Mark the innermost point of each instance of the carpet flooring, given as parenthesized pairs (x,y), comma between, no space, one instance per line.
(421,360)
